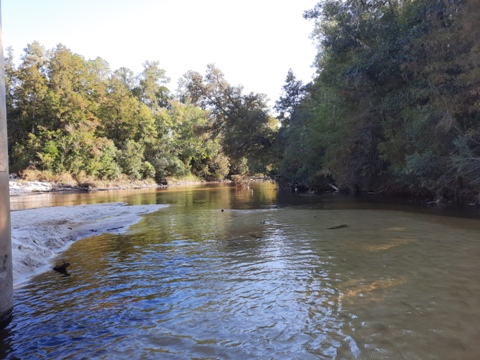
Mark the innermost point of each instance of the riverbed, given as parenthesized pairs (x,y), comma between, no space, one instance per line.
(228,273)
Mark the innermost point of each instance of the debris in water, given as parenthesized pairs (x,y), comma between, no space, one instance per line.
(337,227)
(62,268)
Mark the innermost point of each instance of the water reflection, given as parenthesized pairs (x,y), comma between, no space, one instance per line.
(133,197)
(257,281)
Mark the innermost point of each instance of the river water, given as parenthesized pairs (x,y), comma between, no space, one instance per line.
(226,273)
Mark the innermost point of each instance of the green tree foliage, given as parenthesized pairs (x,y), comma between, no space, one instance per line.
(30,90)
(240,121)
(293,93)
(184,146)
(71,115)
(152,90)
(122,115)
(70,90)
(15,130)
(395,103)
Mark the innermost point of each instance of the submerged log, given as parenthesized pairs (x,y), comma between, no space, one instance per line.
(337,227)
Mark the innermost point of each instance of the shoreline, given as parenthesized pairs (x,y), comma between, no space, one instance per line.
(26,187)
(23,187)
(41,234)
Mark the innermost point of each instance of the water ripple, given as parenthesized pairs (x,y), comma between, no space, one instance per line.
(248,284)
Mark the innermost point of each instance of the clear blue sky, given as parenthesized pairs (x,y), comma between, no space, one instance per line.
(254,42)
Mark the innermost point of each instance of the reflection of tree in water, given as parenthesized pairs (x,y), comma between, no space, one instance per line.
(258,195)
(132,197)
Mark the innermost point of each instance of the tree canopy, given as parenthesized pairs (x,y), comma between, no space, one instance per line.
(395,106)
(67,114)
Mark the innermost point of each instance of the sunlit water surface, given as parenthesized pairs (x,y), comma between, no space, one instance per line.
(263,279)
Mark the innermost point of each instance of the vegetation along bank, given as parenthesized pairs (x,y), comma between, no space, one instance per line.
(394,109)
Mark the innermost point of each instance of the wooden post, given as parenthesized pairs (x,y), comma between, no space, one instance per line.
(6,277)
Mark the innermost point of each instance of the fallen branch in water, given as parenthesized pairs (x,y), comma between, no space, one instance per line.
(337,227)
(115,228)
(62,268)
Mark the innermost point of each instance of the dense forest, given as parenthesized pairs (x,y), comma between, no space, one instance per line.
(394,108)
(69,117)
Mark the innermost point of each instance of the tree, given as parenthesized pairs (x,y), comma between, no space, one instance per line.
(31,90)
(184,145)
(293,93)
(70,95)
(122,115)
(395,103)
(15,131)
(152,90)
(191,89)
(241,121)
(73,115)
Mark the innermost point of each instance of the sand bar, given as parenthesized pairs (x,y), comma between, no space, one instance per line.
(38,235)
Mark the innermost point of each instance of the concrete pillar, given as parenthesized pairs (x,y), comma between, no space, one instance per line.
(6,277)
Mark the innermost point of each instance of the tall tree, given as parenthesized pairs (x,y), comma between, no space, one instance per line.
(242,121)
(15,130)
(70,84)
(152,90)
(31,90)
(293,93)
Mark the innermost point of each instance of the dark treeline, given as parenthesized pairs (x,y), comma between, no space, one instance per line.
(395,107)
(69,117)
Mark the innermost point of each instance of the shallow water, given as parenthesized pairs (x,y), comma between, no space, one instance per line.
(263,279)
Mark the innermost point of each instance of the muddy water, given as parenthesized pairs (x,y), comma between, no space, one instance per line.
(263,279)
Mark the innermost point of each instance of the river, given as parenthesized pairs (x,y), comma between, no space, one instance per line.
(227,273)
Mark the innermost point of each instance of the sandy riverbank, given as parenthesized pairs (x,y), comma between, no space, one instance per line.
(38,235)
(21,187)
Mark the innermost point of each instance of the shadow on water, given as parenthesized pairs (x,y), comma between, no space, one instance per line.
(5,335)
(253,273)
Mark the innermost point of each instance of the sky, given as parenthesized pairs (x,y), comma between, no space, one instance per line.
(253,42)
